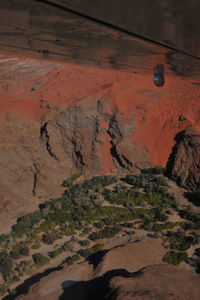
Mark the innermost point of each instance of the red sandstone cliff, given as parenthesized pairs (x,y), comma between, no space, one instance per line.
(56,120)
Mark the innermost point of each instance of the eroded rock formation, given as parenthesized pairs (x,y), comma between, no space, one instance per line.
(132,271)
(56,120)
(184,162)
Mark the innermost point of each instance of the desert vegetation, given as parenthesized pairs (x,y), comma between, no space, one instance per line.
(175,258)
(76,225)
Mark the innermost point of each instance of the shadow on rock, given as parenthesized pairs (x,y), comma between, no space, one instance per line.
(171,160)
(96,258)
(193,197)
(97,288)
(24,287)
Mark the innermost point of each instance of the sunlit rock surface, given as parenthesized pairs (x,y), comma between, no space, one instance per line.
(59,119)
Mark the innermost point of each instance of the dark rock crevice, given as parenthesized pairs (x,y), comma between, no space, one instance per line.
(122,160)
(45,137)
(117,135)
(79,159)
(35,179)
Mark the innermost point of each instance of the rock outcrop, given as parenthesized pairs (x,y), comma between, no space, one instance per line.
(84,138)
(157,282)
(56,120)
(90,280)
(132,271)
(184,162)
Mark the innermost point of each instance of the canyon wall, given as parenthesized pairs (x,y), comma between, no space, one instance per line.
(60,119)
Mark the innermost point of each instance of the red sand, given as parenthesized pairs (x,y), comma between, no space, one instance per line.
(156,110)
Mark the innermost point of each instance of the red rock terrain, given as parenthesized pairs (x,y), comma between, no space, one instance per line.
(132,271)
(164,282)
(81,281)
(59,119)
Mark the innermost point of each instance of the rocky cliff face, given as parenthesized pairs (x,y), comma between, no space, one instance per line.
(56,120)
(184,162)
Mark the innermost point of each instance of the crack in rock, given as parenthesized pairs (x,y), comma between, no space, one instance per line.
(35,179)
(45,137)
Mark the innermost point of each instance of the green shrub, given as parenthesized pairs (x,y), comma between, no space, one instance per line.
(16,278)
(15,254)
(147,224)
(103,181)
(84,243)
(60,216)
(25,224)
(164,226)
(137,181)
(87,230)
(99,224)
(3,238)
(128,225)
(25,266)
(72,259)
(153,196)
(6,266)
(3,289)
(49,238)
(19,249)
(36,245)
(24,251)
(109,221)
(45,226)
(160,181)
(191,216)
(98,247)
(68,182)
(40,259)
(124,198)
(68,246)
(69,232)
(3,254)
(180,243)
(155,170)
(106,233)
(175,258)
(88,252)
(55,252)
